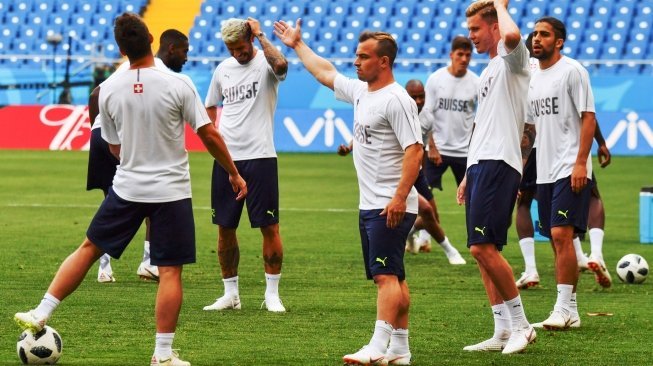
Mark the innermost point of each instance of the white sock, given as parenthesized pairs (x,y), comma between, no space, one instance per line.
(501,321)
(564,297)
(596,242)
(381,336)
(231,286)
(105,263)
(573,305)
(447,247)
(399,342)
(578,248)
(272,284)
(424,236)
(517,314)
(527,246)
(163,345)
(146,252)
(48,304)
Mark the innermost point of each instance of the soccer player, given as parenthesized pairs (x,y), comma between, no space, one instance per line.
(143,111)
(387,156)
(247,86)
(172,54)
(427,216)
(596,220)
(562,106)
(451,99)
(494,165)
(427,224)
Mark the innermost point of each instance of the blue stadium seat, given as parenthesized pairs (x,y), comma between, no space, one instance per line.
(644,8)
(253,10)
(558,9)
(377,22)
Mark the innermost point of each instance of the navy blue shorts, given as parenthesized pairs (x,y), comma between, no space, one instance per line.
(434,172)
(422,186)
(383,248)
(529,177)
(101,163)
(262,198)
(172,228)
(490,198)
(558,205)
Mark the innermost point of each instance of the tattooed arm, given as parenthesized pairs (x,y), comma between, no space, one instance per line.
(276,60)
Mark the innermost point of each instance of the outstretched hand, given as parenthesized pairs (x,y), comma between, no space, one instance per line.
(288,35)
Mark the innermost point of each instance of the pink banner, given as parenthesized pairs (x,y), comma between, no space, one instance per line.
(56,127)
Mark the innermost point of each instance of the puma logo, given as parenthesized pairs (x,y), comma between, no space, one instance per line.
(497,313)
(382,261)
(563,213)
(270,212)
(482,231)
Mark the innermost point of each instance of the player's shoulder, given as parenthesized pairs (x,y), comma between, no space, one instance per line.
(174,79)
(574,68)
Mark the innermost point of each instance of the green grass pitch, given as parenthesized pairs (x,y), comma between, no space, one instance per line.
(45,210)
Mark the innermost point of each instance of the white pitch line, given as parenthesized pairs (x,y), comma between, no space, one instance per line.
(201,208)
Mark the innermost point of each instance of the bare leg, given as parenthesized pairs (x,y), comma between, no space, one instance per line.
(565,255)
(523,220)
(73,270)
(497,269)
(228,252)
(168,298)
(393,301)
(428,220)
(272,249)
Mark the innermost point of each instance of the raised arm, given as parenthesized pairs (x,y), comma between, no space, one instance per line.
(320,68)
(507,27)
(275,58)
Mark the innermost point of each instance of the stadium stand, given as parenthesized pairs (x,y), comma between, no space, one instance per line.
(613,36)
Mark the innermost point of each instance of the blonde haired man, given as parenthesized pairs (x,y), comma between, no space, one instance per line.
(246,85)
(494,166)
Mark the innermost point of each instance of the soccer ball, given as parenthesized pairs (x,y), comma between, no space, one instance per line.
(632,268)
(42,348)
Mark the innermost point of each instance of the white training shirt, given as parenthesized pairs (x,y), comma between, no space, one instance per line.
(448,111)
(385,124)
(125,66)
(557,97)
(248,94)
(144,110)
(502,104)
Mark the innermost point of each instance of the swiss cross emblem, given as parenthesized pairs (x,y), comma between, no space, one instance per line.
(138,88)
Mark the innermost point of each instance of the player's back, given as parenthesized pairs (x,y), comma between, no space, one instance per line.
(146,109)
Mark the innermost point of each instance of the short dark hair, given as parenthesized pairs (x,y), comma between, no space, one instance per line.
(132,36)
(413,82)
(172,37)
(559,28)
(461,43)
(386,45)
